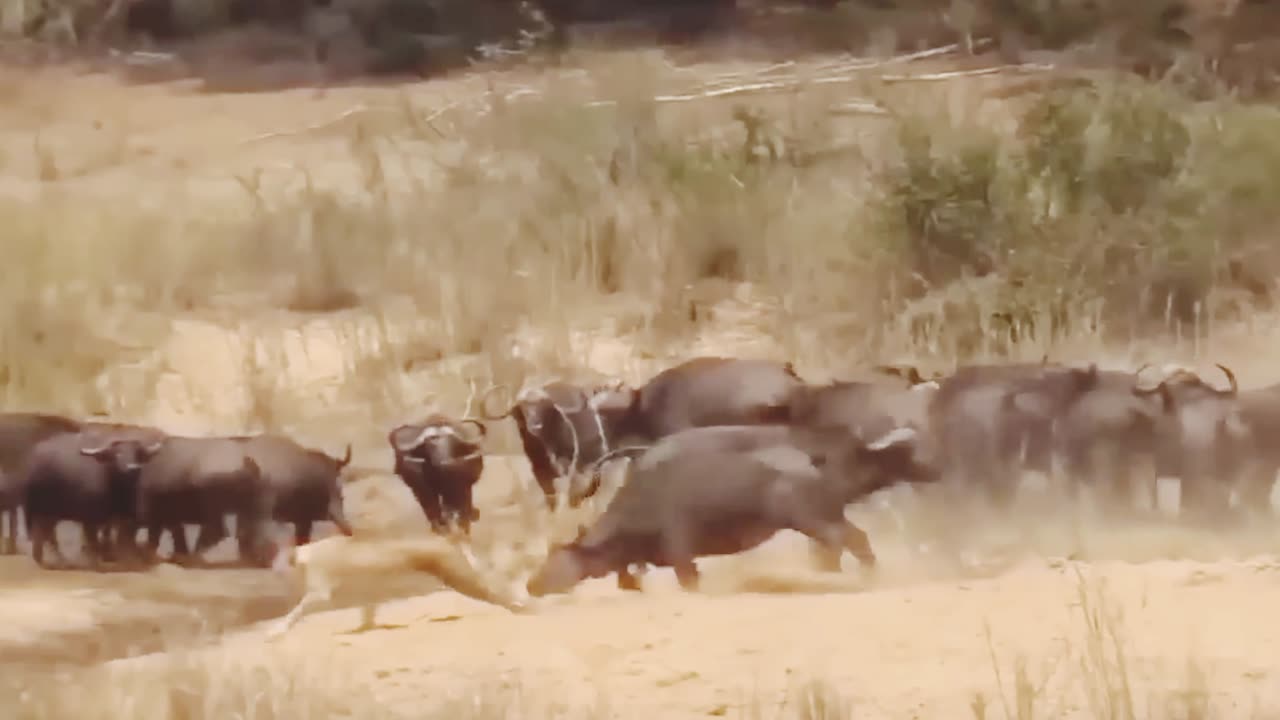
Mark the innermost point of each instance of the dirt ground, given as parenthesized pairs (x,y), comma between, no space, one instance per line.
(1068,607)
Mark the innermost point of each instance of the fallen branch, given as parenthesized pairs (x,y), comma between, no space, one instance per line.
(309,128)
(951,75)
(718,89)
(749,89)
(858,107)
(845,66)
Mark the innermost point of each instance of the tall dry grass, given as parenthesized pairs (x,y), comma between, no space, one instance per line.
(955,222)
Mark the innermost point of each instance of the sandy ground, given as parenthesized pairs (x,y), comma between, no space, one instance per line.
(936,628)
(1081,607)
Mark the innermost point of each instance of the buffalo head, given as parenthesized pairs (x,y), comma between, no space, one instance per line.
(438,440)
(547,417)
(567,565)
(124,455)
(1180,386)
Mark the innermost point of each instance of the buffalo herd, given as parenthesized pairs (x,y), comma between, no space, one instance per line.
(724,453)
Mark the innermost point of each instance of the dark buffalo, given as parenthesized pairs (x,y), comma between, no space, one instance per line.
(306,484)
(440,462)
(89,477)
(200,481)
(559,432)
(680,503)
(700,392)
(991,421)
(19,434)
(1255,428)
(1201,439)
(867,409)
(1106,435)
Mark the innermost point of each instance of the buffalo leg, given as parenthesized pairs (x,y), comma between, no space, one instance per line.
(676,548)
(177,535)
(627,580)
(39,531)
(9,540)
(211,533)
(152,546)
(462,511)
(831,540)
(92,544)
(687,573)
(301,532)
(825,555)
(433,507)
(467,508)
(546,479)
(1255,491)
(1203,501)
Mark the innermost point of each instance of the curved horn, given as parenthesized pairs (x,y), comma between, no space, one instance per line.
(1231,379)
(152,448)
(573,433)
(583,398)
(896,436)
(483,405)
(418,440)
(594,486)
(345,460)
(480,426)
(98,451)
(616,453)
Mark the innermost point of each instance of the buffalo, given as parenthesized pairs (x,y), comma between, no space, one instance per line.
(1201,439)
(305,484)
(700,392)
(559,432)
(440,462)
(88,477)
(19,434)
(1104,436)
(866,409)
(1257,425)
(566,428)
(989,421)
(718,491)
(200,480)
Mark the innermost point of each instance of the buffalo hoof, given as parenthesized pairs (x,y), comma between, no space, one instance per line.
(628,581)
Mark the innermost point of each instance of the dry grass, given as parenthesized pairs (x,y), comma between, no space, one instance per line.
(566,222)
